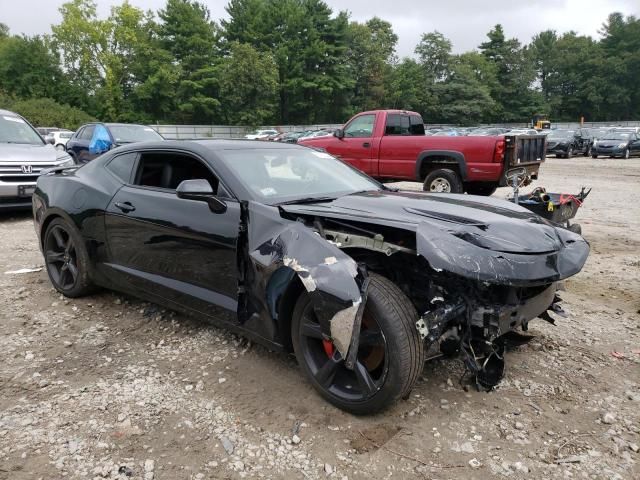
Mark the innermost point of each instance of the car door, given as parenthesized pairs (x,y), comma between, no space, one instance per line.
(170,249)
(356,147)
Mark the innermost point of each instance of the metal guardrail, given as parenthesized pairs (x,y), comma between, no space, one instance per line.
(185,132)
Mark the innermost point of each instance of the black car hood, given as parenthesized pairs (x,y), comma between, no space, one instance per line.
(463,229)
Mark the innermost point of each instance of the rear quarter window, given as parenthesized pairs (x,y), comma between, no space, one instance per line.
(122,166)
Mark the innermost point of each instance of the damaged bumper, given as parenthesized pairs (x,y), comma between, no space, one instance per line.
(446,252)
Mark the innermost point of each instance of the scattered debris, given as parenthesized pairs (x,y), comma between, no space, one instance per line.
(23,270)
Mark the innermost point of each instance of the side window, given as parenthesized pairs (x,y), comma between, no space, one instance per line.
(398,124)
(416,125)
(360,127)
(87,132)
(393,125)
(122,166)
(78,134)
(168,170)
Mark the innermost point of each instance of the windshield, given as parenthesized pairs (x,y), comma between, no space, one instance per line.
(15,130)
(273,175)
(616,136)
(560,134)
(133,133)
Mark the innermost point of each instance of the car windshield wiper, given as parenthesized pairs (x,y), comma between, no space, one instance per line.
(308,200)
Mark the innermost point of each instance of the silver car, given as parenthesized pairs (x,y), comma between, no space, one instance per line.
(23,156)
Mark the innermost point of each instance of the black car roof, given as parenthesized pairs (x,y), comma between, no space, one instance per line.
(210,144)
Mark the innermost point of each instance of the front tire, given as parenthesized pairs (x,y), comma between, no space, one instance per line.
(594,155)
(66,259)
(442,180)
(389,359)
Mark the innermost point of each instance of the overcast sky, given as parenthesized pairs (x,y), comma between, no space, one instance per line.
(464,22)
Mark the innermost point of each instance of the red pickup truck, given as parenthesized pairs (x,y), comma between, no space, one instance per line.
(391,145)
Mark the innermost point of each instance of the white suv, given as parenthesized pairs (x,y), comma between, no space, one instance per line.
(23,156)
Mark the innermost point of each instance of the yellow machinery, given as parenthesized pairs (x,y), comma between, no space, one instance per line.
(540,122)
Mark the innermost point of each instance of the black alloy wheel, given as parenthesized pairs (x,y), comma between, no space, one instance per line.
(66,259)
(389,358)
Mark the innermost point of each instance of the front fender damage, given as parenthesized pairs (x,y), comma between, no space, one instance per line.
(332,278)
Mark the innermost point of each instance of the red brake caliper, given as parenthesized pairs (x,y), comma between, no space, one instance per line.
(328,347)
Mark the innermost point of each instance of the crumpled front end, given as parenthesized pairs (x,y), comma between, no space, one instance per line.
(481,297)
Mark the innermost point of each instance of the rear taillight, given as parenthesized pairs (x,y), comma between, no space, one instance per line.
(498,153)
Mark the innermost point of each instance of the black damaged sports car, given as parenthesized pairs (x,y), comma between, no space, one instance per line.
(297,250)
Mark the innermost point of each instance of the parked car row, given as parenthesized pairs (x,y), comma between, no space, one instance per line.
(611,142)
(288,137)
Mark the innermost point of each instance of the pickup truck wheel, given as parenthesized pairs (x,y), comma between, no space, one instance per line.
(66,259)
(486,190)
(442,180)
(390,356)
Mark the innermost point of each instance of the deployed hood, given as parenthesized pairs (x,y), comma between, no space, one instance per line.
(479,237)
(26,153)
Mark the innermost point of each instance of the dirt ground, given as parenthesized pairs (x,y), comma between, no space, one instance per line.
(111,387)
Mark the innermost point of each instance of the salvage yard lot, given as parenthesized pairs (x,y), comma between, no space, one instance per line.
(111,387)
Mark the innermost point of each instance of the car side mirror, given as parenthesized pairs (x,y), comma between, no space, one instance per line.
(339,133)
(200,190)
(49,140)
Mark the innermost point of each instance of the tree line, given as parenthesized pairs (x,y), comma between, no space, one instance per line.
(298,62)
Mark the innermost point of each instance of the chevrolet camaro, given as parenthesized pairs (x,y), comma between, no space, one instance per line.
(294,249)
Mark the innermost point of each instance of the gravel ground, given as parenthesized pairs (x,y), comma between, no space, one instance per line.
(111,387)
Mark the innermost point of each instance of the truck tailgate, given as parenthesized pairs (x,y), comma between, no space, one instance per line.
(524,150)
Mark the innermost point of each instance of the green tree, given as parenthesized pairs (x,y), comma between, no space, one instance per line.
(47,112)
(543,50)
(28,68)
(464,97)
(434,54)
(620,68)
(513,93)
(187,32)
(248,83)
(407,82)
(370,57)
(308,46)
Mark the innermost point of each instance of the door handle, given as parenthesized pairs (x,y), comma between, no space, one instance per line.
(366,144)
(126,207)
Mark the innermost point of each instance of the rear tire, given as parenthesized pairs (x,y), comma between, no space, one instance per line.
(442,180)
(594,156)
(66,259)
(391,356)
